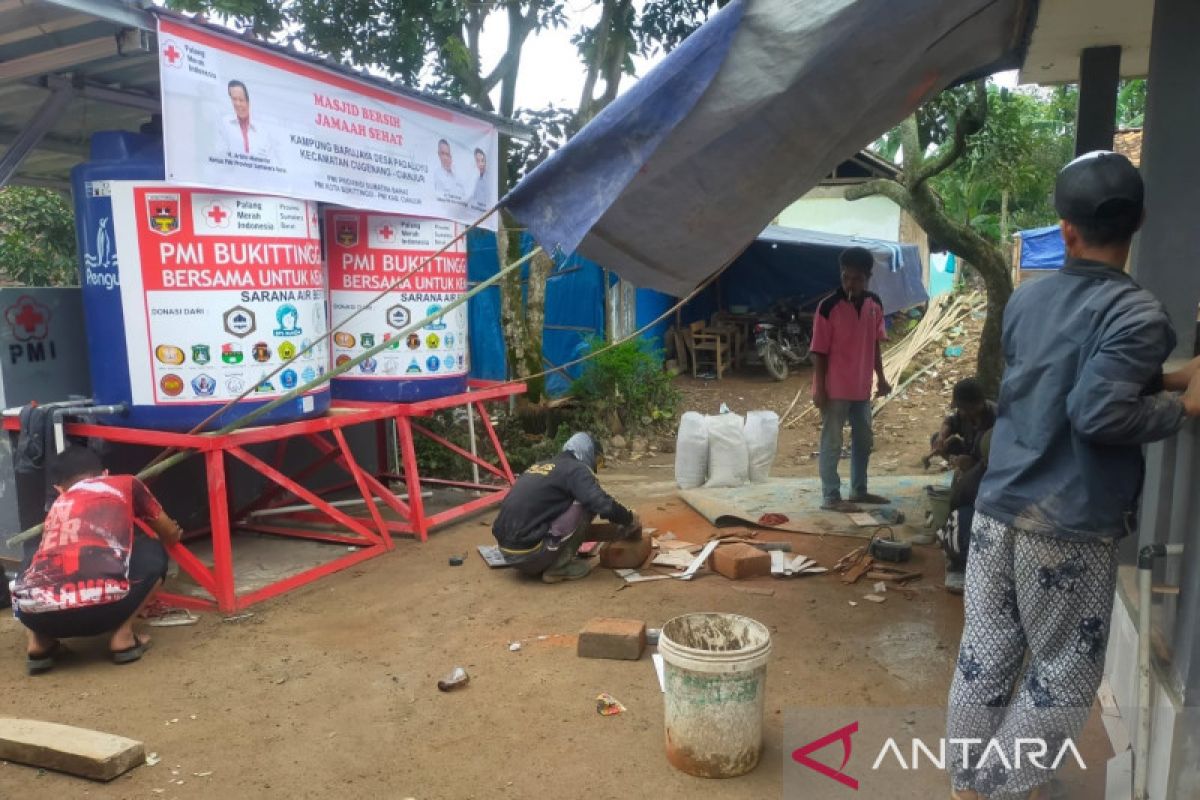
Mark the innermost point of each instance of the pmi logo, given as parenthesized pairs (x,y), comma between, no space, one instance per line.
(968,754)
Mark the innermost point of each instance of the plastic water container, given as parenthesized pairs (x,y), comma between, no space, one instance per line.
(715,671)
(176,354)
(367,253)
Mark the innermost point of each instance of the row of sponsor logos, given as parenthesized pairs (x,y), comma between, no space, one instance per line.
(431,341)
(233,353)
(204,385)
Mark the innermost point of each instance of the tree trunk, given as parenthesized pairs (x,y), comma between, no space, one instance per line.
(989,366)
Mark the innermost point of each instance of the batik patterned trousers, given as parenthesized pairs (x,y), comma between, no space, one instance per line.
(1050,598)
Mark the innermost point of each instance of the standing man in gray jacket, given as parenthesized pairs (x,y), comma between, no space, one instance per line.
(1083,390)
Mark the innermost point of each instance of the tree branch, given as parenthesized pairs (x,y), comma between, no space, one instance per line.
(881,186)
(970,123)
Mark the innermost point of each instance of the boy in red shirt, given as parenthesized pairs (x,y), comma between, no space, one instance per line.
(847,330)
(94,567)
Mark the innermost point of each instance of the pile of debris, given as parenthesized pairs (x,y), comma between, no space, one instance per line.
(736,554)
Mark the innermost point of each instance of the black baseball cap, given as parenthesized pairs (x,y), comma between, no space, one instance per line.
(1098,186)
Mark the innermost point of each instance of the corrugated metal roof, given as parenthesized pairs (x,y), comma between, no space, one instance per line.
(104,51)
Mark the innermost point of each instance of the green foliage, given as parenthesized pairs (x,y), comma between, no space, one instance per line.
(37,237)
(1131,104)
(522,447)
(1005,179)
(628,381)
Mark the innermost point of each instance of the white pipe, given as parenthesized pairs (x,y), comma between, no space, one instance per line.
(354,501)
(1141,745)
(1142,740)
(474,448)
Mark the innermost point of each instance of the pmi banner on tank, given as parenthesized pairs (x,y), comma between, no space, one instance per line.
(217,289)
(367,253)
(241,117)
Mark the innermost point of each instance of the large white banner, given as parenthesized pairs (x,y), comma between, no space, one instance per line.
(240,117)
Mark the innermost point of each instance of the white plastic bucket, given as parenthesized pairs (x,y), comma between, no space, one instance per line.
(715,668)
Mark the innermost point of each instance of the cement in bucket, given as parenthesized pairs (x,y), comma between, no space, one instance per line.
(716,674)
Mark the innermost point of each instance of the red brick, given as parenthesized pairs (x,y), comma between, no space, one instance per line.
(740,561)
(625,553)
(609,637)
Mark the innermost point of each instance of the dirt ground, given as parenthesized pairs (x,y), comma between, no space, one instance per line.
(331,691)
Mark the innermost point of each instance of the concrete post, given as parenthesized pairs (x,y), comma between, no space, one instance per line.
(1166,257)
(1096,119)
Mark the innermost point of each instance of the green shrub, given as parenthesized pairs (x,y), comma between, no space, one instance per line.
(627,380)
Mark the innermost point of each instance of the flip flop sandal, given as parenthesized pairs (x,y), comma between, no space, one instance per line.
(131,654)
(36,665)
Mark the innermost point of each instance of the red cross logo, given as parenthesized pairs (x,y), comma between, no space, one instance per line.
(217,216)
(29,319)
(172,55)
(386,232)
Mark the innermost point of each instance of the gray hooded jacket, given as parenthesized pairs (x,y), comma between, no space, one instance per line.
(1082,392)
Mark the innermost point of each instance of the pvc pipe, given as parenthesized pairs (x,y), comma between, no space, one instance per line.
(354,501)
(1142,738)
(474,447)
(1141,751)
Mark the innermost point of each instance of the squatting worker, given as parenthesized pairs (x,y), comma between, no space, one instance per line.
(548,513)
(1083,390)
(847,330)
(93,569)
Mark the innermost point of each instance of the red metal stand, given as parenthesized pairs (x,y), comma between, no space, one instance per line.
(412,518)
(369,536)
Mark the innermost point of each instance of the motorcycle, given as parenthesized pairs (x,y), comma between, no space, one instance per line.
(782,342)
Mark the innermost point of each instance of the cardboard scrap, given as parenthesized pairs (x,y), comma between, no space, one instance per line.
(634,576)
(679,559)
(690,572)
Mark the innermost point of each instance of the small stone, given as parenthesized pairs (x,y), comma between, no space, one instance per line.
(617,442)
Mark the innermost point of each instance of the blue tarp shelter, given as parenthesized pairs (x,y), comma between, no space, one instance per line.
(1042,248)
(802,265)
(780,263)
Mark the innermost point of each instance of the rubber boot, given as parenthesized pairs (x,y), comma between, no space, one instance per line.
(573,570)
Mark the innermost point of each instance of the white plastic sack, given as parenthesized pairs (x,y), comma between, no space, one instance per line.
(691,451)
(728,458)
(762,441)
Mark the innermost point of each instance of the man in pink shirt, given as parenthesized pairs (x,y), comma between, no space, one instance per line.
(847,330)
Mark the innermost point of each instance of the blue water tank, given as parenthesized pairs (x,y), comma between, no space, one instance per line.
(368,252)
(118,156)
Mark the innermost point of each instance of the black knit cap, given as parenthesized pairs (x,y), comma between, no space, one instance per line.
(1098,186)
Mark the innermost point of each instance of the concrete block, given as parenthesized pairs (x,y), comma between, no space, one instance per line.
(609,637)
(740,561)
(625,553)
(78,751)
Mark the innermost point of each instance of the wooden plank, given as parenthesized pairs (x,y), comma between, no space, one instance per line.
(65,748)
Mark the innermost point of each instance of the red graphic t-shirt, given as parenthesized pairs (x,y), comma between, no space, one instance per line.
(83,558)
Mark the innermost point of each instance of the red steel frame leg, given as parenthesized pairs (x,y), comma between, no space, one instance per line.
(218,509)
(412,478)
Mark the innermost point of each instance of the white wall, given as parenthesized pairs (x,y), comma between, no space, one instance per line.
(826,209)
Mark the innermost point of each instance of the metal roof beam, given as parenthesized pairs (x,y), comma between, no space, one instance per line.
(128,41)
(115,11)
(104,94)
(42,121)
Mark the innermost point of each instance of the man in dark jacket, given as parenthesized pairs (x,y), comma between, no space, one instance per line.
(1083,390)
(548,513)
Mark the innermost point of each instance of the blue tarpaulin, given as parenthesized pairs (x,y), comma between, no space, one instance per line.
(1042,248)
(802,266)
(782,263)
(669,183)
